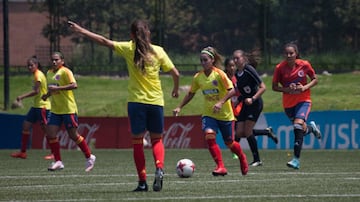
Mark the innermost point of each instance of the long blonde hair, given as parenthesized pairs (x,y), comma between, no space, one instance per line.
(143,50)
(212,52)
(252,58)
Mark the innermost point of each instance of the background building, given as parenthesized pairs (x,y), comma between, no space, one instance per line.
(25,35)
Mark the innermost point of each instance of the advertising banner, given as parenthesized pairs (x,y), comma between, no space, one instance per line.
(114,132)
(10,130)
(340,130)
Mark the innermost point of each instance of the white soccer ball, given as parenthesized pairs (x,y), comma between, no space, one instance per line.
(185,168)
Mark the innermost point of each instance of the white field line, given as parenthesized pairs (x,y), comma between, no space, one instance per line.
(215,181)
(243,197)
(37,186)
(211,197)
(60,175)
(354,176)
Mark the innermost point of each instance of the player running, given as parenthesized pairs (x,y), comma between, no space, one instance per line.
(217,115)
(291,78)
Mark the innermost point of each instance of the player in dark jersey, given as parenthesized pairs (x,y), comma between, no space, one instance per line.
(251,87)
(230,69)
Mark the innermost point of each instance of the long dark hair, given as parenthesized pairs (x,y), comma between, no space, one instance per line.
(143,50)
(36,61)
(294,45)
(226,63)
(61,57)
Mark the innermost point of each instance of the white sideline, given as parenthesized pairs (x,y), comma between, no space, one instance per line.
(216,197)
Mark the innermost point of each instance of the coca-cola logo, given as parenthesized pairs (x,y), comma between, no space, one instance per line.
(176,136)
(84,129)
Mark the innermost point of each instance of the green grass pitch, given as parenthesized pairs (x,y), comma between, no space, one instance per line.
(325,175)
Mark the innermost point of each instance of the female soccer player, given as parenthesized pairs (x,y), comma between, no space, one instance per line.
(145,102)
(40,109)
(217,115)
(251,87)
(291,78)
(61,83)
(230,69)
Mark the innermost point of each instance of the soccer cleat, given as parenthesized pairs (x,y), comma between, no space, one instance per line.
(49,157)
(294,163)
(243,164)
(21,155)
(142,186)
(315,130)
(158,182)
(58,165)
(219,171)
(90,162)
(234,156)
(272,135)
(255,163)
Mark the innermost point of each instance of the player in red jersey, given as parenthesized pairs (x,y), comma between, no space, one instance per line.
(291,78)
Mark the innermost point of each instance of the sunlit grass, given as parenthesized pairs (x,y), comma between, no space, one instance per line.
(106,96)
(324,176)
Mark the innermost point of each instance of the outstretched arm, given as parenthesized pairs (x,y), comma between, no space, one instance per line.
(189,96)
(91,35)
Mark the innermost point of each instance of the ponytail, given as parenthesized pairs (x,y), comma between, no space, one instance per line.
(143,50)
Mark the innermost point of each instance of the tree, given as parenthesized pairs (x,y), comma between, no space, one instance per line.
(186,26)
(55,29)
(349,14)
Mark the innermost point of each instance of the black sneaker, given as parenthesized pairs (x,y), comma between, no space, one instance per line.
(158,182)
(142,186)
(255,163)
(272,135)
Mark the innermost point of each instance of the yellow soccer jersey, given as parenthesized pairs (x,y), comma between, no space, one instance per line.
(63,101)
(214,87)
(38,102)
(145,87)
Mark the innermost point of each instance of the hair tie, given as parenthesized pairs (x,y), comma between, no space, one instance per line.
(209,53)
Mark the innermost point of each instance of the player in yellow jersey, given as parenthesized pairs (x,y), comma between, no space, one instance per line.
(40,109)
(217,115)
(145,102)
(61,83)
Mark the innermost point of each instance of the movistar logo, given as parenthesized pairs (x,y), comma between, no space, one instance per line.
(210,91)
